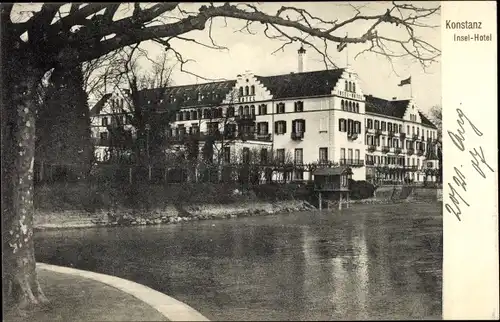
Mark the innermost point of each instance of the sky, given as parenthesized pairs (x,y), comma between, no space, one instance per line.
(255,52)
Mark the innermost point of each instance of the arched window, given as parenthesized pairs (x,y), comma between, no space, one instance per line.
(241,91)
(246,111)
(350,106)
(342,105)
(193,115)
(357,107)
(350,87)
(246,90)
(252,109)
(252,90)
(186,115)
(354,87)
(219,112)
(240,110)
(346,86)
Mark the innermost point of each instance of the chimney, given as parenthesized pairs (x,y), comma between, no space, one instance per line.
(394,98)
(302,54)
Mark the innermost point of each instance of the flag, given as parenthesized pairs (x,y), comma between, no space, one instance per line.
(341,46)
(405,81)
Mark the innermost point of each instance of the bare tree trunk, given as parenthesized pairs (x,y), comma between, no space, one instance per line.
(20,285)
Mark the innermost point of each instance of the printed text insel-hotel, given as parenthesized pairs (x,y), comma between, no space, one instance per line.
(463,24)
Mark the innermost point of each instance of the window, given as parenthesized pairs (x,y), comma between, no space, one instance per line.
(342,154)
(350,87)
(323,124)
(246,110)
(240,110)
(247,91)
(412,130)
(252,90)
(400,128)
(408,129)
(346,86)
(349,154)
(323,154)
(262,109)
(246,155)
(342,105)
(263,156)
(299,154)
(104,121)
(383,126)
(299,106)
(230,111)
(187,115)
(280,155)
(354,87)
(195,129)
(357,108)
(389,127)
(342,125)
(369,123)
(356,154)
(103,136)
(377,125)
(280,108)
(227,154)
(280,127)
(262,128)
(298,126)
(241,91)
(252,110)
(418,163)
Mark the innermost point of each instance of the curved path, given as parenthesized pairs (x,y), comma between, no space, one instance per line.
(171,308)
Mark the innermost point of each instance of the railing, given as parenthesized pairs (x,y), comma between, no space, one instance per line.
(372,148)
(329,187)
(414,137)
(390,134)
(297,136)
(397,150)
(352,136)
(385,149)
(410,151)
(370,162)
(378,132)
(262,136)
(402,136)
(245,117)
(420,152)
(352,162)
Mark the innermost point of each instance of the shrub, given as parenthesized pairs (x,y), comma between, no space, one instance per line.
(361,189)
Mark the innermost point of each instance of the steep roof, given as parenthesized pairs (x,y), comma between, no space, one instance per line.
(332,171)
(426,121)
(174,97)
(96,109)
(385,107)
(304,84)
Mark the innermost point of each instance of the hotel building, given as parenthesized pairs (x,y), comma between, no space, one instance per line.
(305,117)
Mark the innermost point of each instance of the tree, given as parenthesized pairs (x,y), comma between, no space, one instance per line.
(48,40)
(63,124)
(436,115)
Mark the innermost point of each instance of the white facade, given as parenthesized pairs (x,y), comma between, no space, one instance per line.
(335,126)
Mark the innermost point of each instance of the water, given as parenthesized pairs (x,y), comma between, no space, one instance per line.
(368,262)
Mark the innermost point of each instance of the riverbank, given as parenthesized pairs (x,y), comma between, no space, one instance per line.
(172,214)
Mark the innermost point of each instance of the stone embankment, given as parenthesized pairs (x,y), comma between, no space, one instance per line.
(168,215)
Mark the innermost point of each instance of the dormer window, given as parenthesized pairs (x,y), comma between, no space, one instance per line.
(299,106)
(280,108)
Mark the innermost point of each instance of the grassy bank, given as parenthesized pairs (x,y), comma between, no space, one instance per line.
(83,205)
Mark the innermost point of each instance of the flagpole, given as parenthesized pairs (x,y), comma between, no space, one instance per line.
(411,89)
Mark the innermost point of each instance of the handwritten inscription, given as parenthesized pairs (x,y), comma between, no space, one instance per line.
(459,185)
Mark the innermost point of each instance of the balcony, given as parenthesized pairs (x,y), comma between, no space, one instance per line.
(378,132)
(410,151)
(411,168)
(397,150)
(370,162)
(385,149)
(352,162)
(352,136)
(263,136)
(402,136)
(245,118)
(372,148)
(245,136)
(297,136)
(420,152)
(390,134)
(414,137)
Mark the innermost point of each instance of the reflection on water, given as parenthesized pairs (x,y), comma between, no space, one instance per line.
(368,262)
